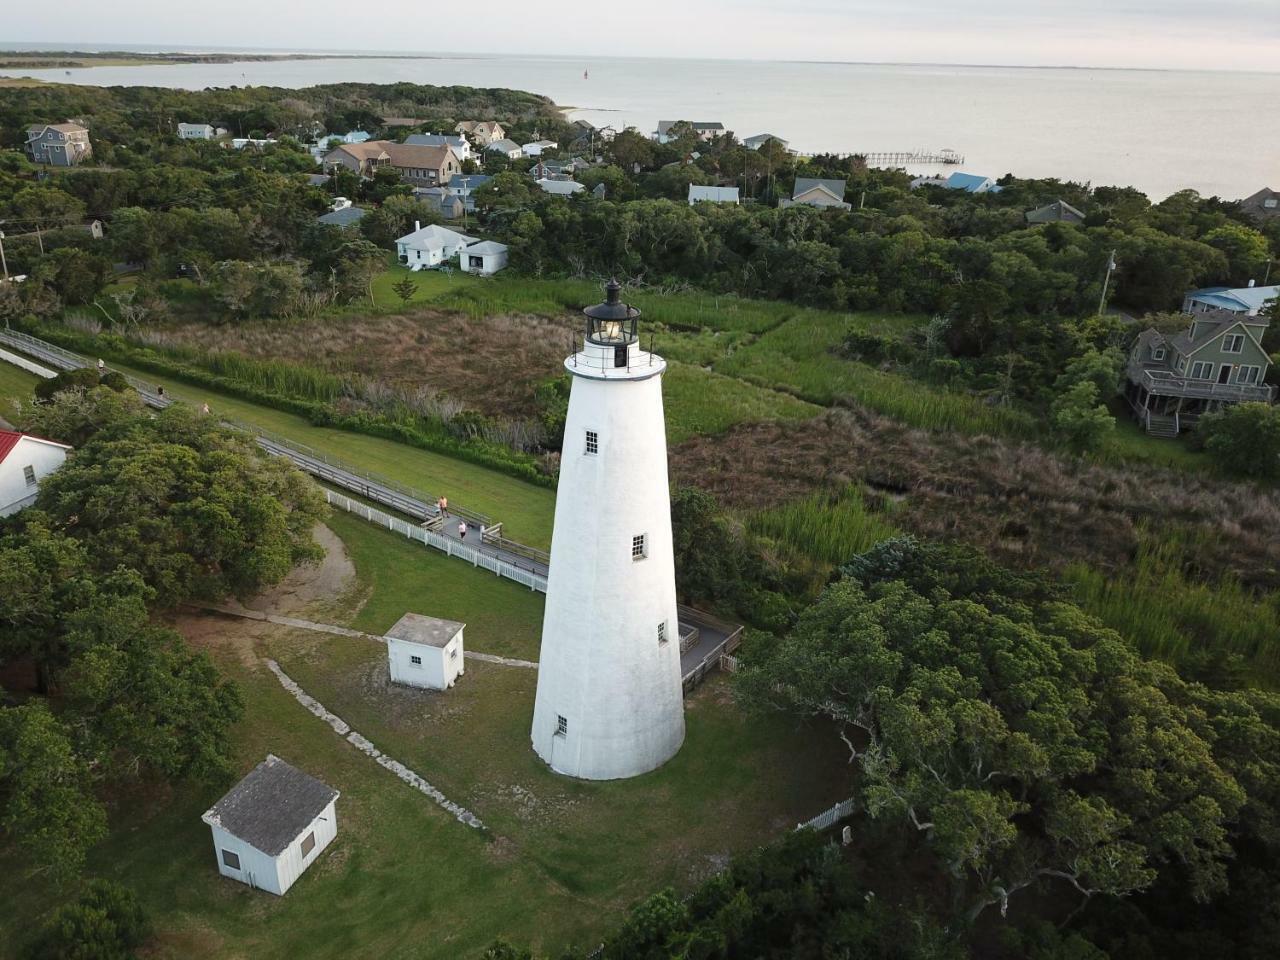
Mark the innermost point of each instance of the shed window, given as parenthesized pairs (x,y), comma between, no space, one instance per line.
(416,661)
(308,843)
(1233,343)
(29,472)
(562,726)
(453,654)
(593,442)
(232,860)
(639,547)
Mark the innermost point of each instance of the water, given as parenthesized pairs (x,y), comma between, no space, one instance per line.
(1160,131)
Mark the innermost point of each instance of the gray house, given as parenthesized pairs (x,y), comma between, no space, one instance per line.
(58,144)
(1263,205)
(1057,212)
(1173,380)
(817,192)
(346,217)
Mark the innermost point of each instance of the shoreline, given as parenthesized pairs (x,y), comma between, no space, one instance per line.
(81,60)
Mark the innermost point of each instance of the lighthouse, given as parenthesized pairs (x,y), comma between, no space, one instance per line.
(609,701)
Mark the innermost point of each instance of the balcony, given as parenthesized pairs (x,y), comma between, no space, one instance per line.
(1162,383)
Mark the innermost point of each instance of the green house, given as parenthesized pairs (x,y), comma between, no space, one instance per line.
(1173,380)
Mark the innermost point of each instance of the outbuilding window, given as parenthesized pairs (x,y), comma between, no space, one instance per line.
(308,843)
(416,661)
(639,547)
(29,472)
(562,726)
(453,654)
(232,860)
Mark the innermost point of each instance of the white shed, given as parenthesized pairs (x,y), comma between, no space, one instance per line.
(484,258)
(272,825)
(425,651)
(25,461)
(430,246)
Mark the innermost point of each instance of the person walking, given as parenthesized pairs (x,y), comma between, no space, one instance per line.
(204,408)
(444,506)
(462,529)
(102,366)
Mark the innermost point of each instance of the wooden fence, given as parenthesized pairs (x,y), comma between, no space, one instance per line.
(436,541)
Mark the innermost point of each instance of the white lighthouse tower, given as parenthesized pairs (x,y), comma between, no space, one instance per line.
(609,702)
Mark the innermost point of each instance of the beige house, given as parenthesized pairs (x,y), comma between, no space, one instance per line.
(420,166)
(483,132)
(817,192)
(58,144)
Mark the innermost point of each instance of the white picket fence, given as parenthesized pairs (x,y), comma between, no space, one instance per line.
(828,817)
(438,542)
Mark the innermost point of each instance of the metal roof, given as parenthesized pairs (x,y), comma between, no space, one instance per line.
(1237,299)
(805,184)
(271,807)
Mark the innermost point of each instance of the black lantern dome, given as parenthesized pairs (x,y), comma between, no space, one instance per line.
(613,322)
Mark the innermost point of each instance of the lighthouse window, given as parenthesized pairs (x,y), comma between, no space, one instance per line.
(639,547)
(562,726)
(662,633)
(593,442)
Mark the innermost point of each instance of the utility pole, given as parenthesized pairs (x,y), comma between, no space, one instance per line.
(3,263)
(1106,280)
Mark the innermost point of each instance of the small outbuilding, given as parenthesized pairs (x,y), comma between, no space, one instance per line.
(24,462)
(425,651)
(272,825)
(485,258)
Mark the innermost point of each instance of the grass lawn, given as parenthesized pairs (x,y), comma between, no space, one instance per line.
(15,384)
(562,860)
(526,510)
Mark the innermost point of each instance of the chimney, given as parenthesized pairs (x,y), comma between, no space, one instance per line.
(417,225)
(1252,282)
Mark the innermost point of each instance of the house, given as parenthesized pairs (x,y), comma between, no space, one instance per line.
(706,130)
(401,121)
(968,182)
(1057,212)
(272,825)
(509,148)
(563,188)
(318,179)
(1263,205)
(25,461)
(58,144)
(1247,301)
(347,216)
(1171,381)
(535,149)
(239,143)
(483,132)
(198,131)
(353,136)
(430,246)
(459,144)
(463,185)
(712,194)
(425,651)
(92,227)
(484,258)
(417,165)
(760,139)
(442,201)
(817,192)
(599,191)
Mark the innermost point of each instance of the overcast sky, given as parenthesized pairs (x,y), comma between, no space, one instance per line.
(1212,34)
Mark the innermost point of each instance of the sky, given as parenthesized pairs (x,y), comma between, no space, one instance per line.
(1202,34)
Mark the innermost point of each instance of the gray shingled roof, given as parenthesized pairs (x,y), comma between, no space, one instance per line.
(271,807)
(429,631)
(805,184)
(342,218)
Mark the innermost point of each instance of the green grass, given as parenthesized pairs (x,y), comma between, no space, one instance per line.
(1130,444)
(15,384)
(563,860)
(698,401)
(525,510)
(829,528)
(798,357)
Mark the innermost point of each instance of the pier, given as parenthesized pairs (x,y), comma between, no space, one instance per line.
(898,158)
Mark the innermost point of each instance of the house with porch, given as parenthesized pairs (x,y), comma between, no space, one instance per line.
(430,246)
(1248,301)
(58,144)
(1173,380)
(417,165)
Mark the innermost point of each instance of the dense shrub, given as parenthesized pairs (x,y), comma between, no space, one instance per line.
(105,923)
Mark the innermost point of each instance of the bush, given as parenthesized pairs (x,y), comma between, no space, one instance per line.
(1083,422)
(1245,439)
(105,923)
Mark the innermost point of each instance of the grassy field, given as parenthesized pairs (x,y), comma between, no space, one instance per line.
(698,401)
(562,860)
(15,384)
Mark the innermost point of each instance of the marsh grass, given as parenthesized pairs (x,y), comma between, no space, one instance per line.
(829,527)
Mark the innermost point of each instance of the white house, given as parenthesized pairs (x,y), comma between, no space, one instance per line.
(25,461)
(563,188)
(272,825)
(699,193)
(430,246)
(198,131)
(508,148)
(535,149)
(459,144)
(425,651)
(705,129)
(760,139)
(239,143)
(485,258)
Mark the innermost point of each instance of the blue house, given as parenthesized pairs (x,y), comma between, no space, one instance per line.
(1248,301)
(968,182)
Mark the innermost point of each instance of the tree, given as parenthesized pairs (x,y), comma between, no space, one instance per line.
(1244,439)
(1247,251)
(1081,421)
(1022,741)
(73,416)
(77,276)
(106,922)
(405,289)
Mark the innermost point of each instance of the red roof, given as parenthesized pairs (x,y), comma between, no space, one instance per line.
(8,440)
